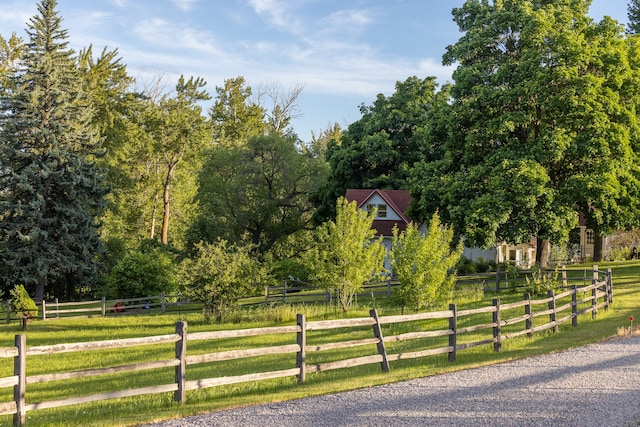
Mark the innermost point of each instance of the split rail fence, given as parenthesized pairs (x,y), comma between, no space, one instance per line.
(410,336)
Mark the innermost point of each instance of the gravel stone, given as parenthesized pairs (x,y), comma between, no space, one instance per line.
(594,385)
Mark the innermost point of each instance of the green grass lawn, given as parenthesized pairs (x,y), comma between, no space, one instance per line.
(136,410)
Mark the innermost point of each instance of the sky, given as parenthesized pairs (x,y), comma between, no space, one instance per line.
(344,52)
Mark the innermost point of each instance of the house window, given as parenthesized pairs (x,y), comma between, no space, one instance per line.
(381,210)
(590,237)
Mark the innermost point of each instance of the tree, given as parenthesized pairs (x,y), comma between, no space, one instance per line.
(53,192)
(11,52)
(346,254)
(116,115)
(234,116)
(180,131)
(257,192)
(633,14)
(218,274)
(541,126)
(423,264)
(379,150)
(284,106)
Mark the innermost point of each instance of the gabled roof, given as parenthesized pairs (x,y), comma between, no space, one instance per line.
(398,200)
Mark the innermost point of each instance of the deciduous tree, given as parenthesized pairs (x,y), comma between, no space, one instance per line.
(379,150)
(346,254)
(257,192)
(423,263)
(542,126)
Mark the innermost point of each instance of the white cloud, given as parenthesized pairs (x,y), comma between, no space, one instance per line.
(164,34)
(277,14)
(347,20)
(185,5)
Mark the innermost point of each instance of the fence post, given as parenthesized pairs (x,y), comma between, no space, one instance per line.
(301,357)
(266,295)
(528,323)
(553,314)
(497,279)
(180,394)
(44,310)
(609,288)
(57,308)
(104,306)
(574,306)
(284,291)
(163,303)
(594,297)
(564,277)
(20,370)
(8,311)
(377,332)
(497,336)
(453,332)
(389,288)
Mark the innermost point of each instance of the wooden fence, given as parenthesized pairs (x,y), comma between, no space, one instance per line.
(299,292)
(288,292)
(507,321)
(103,307)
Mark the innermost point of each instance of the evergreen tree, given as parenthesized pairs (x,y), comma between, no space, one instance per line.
(633,13)
(52,191)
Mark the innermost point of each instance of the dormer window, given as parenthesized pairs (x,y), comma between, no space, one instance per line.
(381,210)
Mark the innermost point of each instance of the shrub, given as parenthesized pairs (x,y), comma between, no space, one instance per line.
(141,274)
(22,304)
(218,274)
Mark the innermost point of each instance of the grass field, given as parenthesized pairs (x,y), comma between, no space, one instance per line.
(142,409)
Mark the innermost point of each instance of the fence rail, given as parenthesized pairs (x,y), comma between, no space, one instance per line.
(288,292)
(600,295)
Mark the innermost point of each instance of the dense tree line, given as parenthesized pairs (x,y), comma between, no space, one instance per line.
(105,179)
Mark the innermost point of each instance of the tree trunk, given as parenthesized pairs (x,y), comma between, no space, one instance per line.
(598,243)
(164,238)
(39,294)
(542,252)
(152,232)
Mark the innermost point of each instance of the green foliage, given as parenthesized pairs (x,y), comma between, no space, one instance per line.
(541,125)
(21,302)
(52,190)
(468,266)
(379,150)
(218,274)
(141,274)
(424,264)
(346,254)
(620,254)
(540,281)
(257,192)
(235,117)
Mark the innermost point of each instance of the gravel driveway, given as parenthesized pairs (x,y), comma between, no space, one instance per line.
(595,385)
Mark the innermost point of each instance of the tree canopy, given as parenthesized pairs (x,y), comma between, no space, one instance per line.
(380,149)
(53,191)
(542,125)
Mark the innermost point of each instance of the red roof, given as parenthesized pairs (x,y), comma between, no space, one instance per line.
(398,200)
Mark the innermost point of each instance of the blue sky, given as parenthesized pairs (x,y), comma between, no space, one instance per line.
(344,52)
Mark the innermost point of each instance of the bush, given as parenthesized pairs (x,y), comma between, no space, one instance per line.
(22,304)
(465,266)
(141,274)
(620,254)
